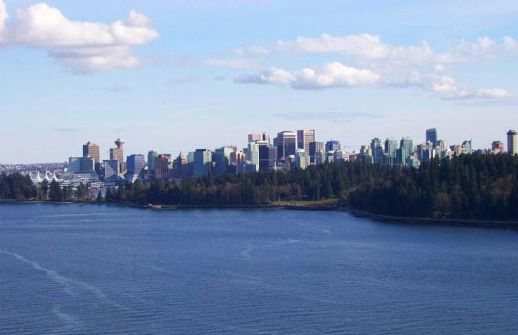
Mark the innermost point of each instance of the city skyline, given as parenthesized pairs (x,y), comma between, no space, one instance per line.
(180,76)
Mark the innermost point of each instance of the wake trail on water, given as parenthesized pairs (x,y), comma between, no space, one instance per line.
(70,286)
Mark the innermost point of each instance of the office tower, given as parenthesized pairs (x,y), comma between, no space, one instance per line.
(285,142)
(267,156)
(301,159)
(111,170)
(202,162)
(377,151)
(316,152)
(161,167)
(512,142)
(497,147)
(431,136)
(135,164)
(151,155)
(304,137)
(92,150)
(406,149)
(222,158)
(252,155)
(425,152)
(333,146)
(391,147)
(466,147)
(330,156)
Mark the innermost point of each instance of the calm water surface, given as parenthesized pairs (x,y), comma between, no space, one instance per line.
(79,269)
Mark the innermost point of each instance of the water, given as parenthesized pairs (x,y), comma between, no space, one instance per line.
(80,269)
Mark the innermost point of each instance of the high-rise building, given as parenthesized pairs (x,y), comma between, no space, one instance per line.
(135,164)
(377,151)
(267,156)
(252,154)
(161,167)
(304,137)
(222,158)
(391,147)
(333,146)
(431,136)
(285,142)
(92,150)
(202,162)
(111,170)
(301,159)
(406,149)
(466,147)
(151,155)
(316,152)
(81,164)
(512,142)
(497,147)
(117,153)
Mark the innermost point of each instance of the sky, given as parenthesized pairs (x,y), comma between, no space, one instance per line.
(178,75)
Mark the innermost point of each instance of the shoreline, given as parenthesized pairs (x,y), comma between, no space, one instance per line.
(473,223)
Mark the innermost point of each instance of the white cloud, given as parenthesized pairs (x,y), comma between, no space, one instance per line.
(510,44)
(272,76)
(362,45)
(80,46)
(238,64)
(3,18)
(445,84)
(483,47)
(332,74)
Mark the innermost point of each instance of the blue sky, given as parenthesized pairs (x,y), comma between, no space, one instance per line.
(177,75)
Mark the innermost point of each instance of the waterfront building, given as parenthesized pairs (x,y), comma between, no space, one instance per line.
(431,136)
(512,142)
(252,154)
(202,162)
(333,146)
(80,164)
(92,150)
(285,142)
(304,137)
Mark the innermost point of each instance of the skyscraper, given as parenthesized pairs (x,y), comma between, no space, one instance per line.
(333,146)
(512,142)
(92,150)
(285,142)
(316,152)
(161,167)
(304,137)
(117,153)
(431,136)
(377,151)
(406,149)
(252,154)
(202,162)
(151,155)
(135,164)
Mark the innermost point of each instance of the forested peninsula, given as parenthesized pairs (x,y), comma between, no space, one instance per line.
(472,187)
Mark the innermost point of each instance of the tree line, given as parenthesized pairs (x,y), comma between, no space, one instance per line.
(477,186)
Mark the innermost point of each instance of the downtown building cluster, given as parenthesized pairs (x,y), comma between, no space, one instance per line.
(288,150)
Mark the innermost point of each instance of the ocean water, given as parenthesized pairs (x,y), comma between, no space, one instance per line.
(86,269)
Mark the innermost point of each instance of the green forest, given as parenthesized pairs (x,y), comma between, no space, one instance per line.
(477,186)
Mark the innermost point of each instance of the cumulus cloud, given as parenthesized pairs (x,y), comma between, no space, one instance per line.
(273,76)
(445,84)
(366,46)
(332,74)
(446,87)
(80,46)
